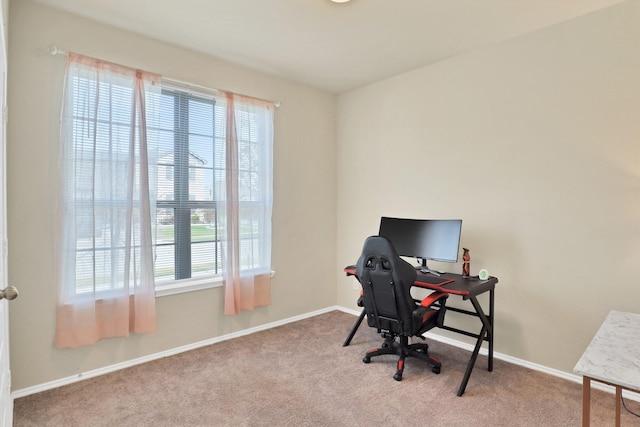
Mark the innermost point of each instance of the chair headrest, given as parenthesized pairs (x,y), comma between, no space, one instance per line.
(379,253)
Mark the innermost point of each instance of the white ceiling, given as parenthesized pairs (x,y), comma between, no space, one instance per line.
(334,47)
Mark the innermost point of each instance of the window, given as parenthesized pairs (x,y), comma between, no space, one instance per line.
(189,130)
(192,179)
(188,234)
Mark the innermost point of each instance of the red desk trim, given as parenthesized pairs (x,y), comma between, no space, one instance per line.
(351,271)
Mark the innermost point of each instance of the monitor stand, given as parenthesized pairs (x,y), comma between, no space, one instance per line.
(426,270)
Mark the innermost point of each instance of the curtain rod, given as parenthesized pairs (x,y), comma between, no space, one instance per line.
(53,50)
(208,89)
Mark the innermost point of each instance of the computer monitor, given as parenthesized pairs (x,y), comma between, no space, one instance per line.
(425,239)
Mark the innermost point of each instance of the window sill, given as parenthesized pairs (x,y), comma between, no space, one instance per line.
(190,285)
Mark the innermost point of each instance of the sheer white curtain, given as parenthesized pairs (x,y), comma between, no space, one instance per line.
(246,251)
(106,202)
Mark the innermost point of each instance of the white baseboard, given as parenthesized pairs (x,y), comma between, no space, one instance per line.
(129,363)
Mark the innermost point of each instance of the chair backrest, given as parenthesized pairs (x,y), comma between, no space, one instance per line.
(386,282)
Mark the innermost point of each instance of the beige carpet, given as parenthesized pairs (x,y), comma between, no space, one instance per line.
(300,375)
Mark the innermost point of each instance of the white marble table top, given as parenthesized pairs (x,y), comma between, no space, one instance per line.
(613,355)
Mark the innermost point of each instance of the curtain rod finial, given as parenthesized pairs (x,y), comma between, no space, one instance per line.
(53,50)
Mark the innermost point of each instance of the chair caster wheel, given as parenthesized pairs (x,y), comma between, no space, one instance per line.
(397,376)
(436,369)
(366,359)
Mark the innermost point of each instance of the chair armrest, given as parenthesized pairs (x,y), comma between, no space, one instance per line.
(427,315)
(431,299)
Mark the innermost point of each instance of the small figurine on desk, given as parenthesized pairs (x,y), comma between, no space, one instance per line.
(466,263)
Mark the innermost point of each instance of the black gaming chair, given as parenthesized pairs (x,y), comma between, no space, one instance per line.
(386,281)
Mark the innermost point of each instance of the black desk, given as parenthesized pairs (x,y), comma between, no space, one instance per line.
(468,289)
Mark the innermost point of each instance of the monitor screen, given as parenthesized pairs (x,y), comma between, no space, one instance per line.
(427,239)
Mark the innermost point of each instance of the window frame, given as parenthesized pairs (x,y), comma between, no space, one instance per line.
(168,287)
(182,202)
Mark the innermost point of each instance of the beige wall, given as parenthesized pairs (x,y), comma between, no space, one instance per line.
(535,143)
(304,216)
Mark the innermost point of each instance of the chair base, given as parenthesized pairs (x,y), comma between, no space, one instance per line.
(403,349)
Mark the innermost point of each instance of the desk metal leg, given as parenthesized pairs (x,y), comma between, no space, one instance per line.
(486,331)
(491,313)
(586,401)
(471,363)
(618,401)
(354,329)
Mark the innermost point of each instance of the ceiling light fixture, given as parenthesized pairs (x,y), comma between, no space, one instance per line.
(339,1)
